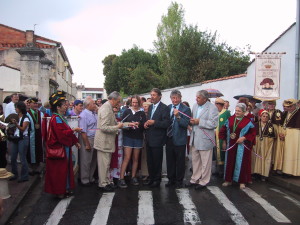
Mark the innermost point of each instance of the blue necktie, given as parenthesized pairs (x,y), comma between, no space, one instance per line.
(170,128)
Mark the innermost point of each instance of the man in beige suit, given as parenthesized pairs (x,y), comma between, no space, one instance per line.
(105,139)
(204,121)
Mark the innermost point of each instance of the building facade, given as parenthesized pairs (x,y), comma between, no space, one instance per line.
(33,65)
(95,93)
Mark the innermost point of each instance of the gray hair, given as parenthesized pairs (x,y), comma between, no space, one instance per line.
(242,106)
(176,92)
(203,94)
(114,95)
(87,101)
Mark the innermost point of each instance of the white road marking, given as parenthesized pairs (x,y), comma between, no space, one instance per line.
(190,214)
(295,201)
(59,211)
(271,210)
(234,213)
(146,214)
(102,211)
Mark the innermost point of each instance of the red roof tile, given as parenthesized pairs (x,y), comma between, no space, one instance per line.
(93,89)
(14,38)
(224,78)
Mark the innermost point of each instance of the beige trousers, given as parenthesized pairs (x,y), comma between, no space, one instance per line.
(201,161)
(87,162)
(103,160)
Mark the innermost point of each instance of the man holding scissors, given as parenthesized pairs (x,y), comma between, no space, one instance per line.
(176,140)
(204,122)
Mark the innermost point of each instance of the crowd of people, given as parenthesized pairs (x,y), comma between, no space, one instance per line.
(122,144)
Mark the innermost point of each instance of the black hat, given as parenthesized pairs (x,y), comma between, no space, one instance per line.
(32,100)
(56,97)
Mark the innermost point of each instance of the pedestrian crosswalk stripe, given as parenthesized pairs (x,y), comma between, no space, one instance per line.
(145,214)
(190,214)
(270,209)
(102,211)
(234,213)
(295,201)
(59,211)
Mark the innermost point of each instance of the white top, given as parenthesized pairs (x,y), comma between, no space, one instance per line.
(25,132)
(9,109)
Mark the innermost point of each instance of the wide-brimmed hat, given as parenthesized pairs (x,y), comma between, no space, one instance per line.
(220,101)
(10,117)
(289,102)
(4,173)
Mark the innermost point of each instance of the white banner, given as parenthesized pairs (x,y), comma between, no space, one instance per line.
(267,77)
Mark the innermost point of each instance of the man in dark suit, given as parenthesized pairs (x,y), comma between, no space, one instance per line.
(176,140)
(156,129)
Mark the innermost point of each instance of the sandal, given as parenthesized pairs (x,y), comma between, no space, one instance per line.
(226,184)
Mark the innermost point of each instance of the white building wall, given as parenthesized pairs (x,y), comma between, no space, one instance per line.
(10,79)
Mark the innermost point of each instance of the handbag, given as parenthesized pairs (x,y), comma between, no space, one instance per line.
(57,152)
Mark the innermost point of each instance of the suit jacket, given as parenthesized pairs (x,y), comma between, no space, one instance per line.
(156,134)
(208,122)
(105,137)
(179,130)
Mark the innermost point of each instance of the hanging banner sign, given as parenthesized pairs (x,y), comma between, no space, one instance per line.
(267,77)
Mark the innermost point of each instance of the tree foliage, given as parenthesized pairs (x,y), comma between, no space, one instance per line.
(187,55)
(183,55)
(133,72)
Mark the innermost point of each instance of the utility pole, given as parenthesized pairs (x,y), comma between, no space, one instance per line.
(297,58)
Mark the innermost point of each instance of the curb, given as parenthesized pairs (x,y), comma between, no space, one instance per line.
(286,183)
(10,210)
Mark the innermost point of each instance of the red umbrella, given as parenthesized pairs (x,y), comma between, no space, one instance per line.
(214,93)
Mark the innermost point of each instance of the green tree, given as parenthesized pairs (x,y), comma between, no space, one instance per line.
(127,71)
(187,55)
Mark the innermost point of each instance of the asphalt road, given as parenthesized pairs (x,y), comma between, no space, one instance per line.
(260,203)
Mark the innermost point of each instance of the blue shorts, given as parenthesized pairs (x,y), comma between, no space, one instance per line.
(132,143)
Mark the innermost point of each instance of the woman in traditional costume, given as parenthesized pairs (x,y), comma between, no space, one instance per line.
(238,135)
(224,114)
(59,179)
(290,134)
(265,139)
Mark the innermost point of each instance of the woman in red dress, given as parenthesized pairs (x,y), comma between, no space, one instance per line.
(238,135)
(59,179)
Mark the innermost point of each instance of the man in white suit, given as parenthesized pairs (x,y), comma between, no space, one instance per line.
(204,121)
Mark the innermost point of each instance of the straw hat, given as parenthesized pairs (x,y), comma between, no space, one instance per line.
(290,102)
(220,101)
(4,174)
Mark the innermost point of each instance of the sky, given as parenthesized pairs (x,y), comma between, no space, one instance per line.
(90,30)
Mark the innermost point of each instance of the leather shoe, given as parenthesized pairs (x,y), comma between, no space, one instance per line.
(155,184)
(85,185)
(170,184)
(189,184)
(107,188)
(179,185)
(113,186)
(148,182)
(199,187)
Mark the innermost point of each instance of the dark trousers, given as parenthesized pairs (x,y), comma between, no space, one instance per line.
(154,161)
(3,151)
(175,156)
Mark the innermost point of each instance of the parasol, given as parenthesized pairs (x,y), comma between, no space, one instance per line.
(214,93)
(250,97)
